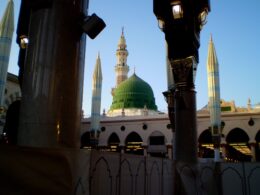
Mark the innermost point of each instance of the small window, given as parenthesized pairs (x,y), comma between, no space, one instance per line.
(103,129)
(251,122)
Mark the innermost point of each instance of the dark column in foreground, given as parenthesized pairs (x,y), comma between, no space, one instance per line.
(53,75)
(185,111)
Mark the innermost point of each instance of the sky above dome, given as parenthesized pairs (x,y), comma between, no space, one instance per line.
(233,24)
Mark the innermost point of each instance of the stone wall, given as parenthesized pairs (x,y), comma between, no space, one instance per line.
(72,171)
(126,174)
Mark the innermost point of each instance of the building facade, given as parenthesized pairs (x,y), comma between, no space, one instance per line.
(134,125)
(152,134)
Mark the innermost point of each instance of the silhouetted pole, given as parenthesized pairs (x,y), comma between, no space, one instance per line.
(169,97)
(53,74)
(181,21)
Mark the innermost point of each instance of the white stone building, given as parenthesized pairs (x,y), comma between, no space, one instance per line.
(134,125)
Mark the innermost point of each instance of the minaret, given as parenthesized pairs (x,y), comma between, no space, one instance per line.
(214,97)
(249,105)
(121,67)
(96,99)
(6,34)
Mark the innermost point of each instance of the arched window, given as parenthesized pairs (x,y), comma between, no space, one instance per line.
(237,145)
(206,148)
(113,143)
(257,139)
(133,144)
(85,140)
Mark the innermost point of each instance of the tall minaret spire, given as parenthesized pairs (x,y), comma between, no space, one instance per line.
(121,67)
(214,97)
(122,30)
(6,34)
(96,99)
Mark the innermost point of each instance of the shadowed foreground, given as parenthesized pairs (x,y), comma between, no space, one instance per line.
(70,171)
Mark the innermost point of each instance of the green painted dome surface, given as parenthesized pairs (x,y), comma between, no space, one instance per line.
(133,93)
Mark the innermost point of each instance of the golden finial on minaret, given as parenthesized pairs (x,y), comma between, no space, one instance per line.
(123,30)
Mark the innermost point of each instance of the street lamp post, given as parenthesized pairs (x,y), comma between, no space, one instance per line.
(181,21)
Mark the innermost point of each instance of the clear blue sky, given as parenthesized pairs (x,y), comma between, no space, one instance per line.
(235,27)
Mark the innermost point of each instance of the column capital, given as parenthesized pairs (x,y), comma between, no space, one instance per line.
(184,71)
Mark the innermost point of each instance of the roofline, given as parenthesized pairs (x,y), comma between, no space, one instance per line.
(12,77)
(121,119)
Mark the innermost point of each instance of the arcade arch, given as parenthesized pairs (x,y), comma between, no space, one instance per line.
(113,143)
(257,146)
(237,148)
(206,148)
(85,140)
(133,144)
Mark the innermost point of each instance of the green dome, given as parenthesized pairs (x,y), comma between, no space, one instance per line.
(133,93)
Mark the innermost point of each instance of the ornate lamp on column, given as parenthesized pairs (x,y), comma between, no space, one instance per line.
(181,21)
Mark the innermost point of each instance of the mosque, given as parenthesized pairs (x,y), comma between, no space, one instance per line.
(133,124)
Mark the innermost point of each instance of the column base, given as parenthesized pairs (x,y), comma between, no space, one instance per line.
(26,170)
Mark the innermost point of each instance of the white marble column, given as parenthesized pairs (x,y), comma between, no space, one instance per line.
(145,150)
(122,149)
(169,150)
(224,150)
(253,151)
